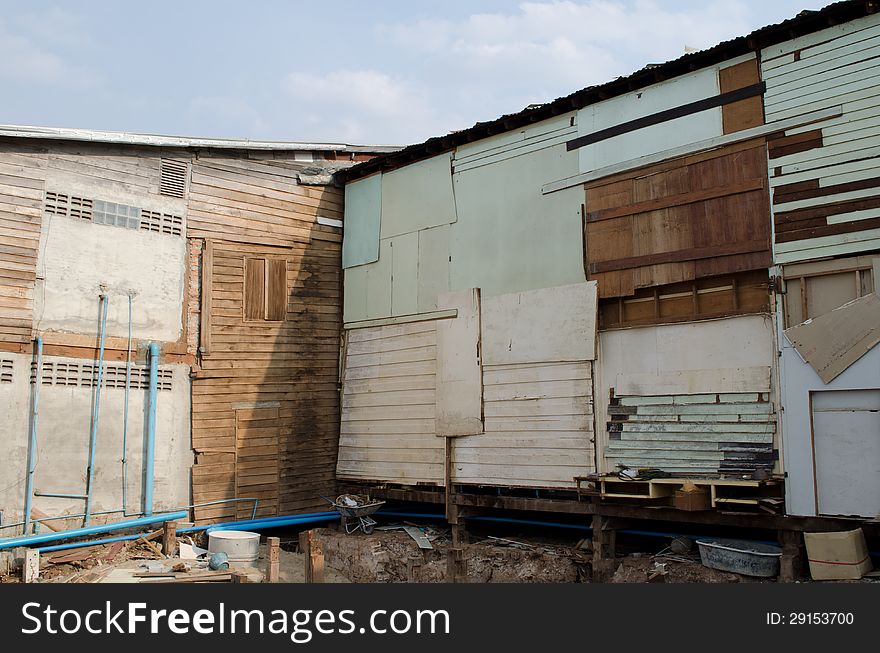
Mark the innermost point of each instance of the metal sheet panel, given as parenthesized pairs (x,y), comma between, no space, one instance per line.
(404,273)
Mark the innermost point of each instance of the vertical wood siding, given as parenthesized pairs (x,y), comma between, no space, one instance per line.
(826,176)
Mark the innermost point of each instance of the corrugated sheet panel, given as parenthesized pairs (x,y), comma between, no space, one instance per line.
(700,433)
(388,406)
(826,176)
(538,427)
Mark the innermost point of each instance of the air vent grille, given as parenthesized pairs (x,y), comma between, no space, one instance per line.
(172,178)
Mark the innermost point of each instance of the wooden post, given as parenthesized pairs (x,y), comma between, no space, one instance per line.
(30,571)
(313,557)
(273,545)
(169,539)
(604,545)
(792,561)
(456,566)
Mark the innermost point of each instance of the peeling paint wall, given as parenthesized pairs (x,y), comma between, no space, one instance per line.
(732,355)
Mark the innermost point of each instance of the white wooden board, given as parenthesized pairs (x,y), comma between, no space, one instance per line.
(459,374)
(540,326)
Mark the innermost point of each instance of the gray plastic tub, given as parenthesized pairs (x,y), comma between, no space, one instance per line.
(740,556)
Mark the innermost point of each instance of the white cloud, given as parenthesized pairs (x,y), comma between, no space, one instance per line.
(359,106)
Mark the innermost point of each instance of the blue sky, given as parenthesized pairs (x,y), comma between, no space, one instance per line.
(381,72)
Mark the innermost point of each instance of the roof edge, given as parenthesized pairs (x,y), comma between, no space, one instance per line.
(804,23)
(156,140)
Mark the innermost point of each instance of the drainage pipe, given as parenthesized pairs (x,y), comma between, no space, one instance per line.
(93,435)
(32,443)
(125,416)
(91,530)
(276,523)
(150,454)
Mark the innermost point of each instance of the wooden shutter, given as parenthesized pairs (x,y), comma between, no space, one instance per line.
(254,289)
(276,304)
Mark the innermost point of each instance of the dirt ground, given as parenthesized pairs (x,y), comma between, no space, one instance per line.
(393,556)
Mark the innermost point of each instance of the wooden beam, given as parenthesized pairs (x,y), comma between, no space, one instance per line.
(273,552)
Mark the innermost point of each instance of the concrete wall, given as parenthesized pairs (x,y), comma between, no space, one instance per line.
(63,441)
(731,355)
(79,259)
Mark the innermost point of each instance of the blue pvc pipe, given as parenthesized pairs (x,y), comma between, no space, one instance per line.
(150,455)
(32,443)
(125,415)
(93,434)
(91,530)
(276,523)
(531,522)
(82,545)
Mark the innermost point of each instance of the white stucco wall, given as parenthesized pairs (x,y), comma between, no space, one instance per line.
(63,444)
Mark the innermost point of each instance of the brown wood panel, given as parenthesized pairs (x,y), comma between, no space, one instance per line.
(278,378)
(785,145)
(698,216)
(743,114)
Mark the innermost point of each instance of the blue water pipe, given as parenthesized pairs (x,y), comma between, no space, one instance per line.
(31,540)
(93,434)
(150,454)
(125,414)
(32,442)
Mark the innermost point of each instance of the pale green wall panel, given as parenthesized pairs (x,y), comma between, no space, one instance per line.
(404,274)
(417,196)
(509,237)
(354,305)
(363,210)
(433,266)
(379,284)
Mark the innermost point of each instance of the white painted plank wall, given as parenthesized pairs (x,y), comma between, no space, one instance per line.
(834,67)
(538,427)
(388,406)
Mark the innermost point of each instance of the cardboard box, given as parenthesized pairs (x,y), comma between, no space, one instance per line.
(838,556)
(696,499)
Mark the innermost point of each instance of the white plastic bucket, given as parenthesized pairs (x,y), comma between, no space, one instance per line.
(239,546)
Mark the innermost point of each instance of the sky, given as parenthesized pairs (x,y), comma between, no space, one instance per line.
(342,71)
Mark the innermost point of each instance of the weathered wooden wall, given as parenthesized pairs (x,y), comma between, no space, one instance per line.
(265,401)
(699,216)
(826,176)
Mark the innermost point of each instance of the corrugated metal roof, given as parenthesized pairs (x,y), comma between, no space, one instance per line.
(128,138)
(806,22)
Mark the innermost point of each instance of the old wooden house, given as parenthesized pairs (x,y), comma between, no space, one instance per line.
(611,280)
(223,255)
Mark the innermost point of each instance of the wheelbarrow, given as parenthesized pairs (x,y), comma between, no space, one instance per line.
(358,516)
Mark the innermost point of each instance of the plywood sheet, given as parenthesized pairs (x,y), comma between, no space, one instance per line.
(540,326)
(832,342)
(459,372)
(737,379)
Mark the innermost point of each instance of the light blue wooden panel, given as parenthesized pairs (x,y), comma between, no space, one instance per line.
(354,306)
(417,196)
(433,266)
(656,138)
(404,274)
(363,208)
